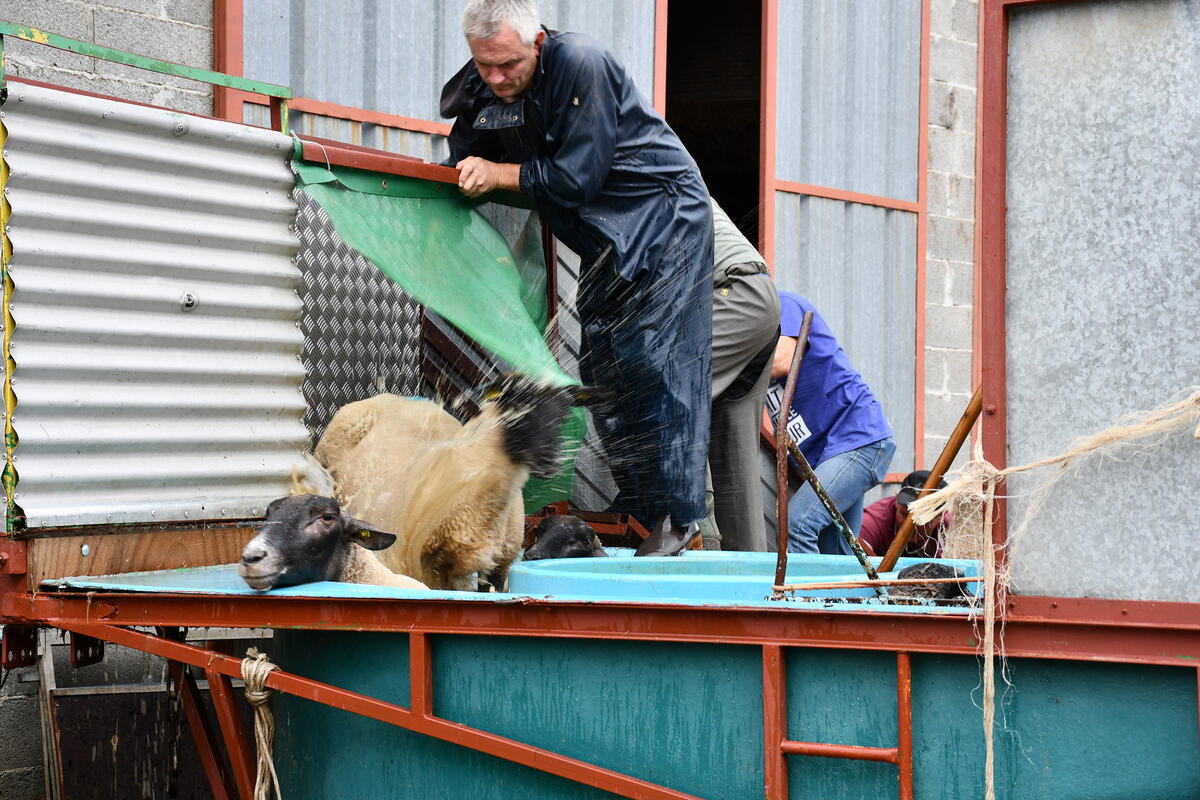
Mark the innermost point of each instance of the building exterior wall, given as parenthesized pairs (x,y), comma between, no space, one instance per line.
(949,258)
(180,31)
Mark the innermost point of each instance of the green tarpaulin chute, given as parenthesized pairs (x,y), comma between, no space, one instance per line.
(432,242)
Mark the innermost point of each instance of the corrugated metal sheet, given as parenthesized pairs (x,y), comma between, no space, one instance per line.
(848,95)
(394,58)
(857,264)
(131,407)
(1103,289)
(594,487)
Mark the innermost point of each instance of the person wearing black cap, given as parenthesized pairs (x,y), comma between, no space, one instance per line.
(883,518)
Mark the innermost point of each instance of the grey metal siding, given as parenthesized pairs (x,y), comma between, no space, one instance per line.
(131,407)
(394,58)
(1103,289)
(848,95)
(857,264)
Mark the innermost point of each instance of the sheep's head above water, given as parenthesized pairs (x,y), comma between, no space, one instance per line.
(564,536)
(305,538)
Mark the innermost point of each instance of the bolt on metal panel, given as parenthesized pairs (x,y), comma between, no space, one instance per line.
(156,334)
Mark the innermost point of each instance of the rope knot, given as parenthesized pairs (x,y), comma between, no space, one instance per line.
(255,669)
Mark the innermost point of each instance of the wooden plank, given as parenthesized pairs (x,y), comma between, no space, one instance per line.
(107,553)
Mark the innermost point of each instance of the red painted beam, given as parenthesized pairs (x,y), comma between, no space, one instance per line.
(219,781)
(327,151)
(228,57)
(392,714)
(420,674)
(308,105)
(241,757)
(854,752)
(766,131)
(904,724)
(846,196)
(1088,630)
(774,722)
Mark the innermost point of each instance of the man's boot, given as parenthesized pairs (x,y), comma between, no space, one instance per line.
(668,539)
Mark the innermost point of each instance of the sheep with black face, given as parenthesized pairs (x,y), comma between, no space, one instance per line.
(564,536)
(307,538)
(451,492)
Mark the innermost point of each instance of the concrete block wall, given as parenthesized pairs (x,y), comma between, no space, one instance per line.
(21,773)
(950,232)
(180,31)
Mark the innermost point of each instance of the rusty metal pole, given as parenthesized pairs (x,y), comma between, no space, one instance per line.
(838,519)
(953,445)
(781,438)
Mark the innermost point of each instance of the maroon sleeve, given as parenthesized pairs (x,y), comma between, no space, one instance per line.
(879,525)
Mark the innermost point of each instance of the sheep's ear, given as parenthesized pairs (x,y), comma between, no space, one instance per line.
(365,535)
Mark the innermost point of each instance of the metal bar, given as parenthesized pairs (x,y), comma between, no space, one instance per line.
(781,439)
(142,62)
(218,776)
(904,723)
(844,529)
(279,114)
(922,218)
(420,674)
(829,193)
(659,95)
(237,743)
(850,751)
(1146,633)
(328,152)
(961,431)
(228,57)
(499,746)
(795,587)
(991,178)
(766,131)
(308,105)
(774,722)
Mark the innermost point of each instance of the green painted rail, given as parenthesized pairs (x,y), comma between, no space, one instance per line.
(143,62)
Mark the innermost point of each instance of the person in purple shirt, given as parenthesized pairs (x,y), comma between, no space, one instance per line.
(837,424)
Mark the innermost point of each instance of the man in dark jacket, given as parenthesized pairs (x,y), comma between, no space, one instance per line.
(555,116)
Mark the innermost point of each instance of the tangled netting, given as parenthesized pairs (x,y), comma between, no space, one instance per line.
(970,499)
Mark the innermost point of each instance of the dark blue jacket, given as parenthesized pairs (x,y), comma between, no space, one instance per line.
(600,164)
(615,184)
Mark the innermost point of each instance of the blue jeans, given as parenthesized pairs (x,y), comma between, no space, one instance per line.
(846,478)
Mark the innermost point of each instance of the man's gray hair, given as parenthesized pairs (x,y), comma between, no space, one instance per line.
(482,18)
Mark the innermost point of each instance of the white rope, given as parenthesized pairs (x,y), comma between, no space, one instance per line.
(255,669)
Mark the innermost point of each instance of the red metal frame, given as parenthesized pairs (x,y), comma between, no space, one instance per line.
(659,93)
(776,745)
(1035,627)
(769,184)
(218,776)
(990,246)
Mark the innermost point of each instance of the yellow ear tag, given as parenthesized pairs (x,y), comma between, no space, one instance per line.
(365,534)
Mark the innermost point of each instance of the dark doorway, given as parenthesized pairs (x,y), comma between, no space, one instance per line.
(714,52)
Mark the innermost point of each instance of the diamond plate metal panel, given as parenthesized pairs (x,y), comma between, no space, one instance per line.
(362,332)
